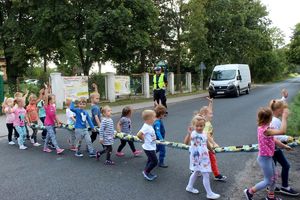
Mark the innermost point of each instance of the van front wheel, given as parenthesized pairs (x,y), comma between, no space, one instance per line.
(248,90)
(237,92)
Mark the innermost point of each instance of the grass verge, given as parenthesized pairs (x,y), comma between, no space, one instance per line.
(294,118)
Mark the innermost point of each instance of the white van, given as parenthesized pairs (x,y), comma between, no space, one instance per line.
(230,79)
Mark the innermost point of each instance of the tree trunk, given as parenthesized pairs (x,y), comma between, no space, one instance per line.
(45,64)
(143,61)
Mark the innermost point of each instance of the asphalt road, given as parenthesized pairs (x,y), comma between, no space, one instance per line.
(34,175)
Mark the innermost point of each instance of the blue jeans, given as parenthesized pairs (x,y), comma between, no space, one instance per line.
(267,165)
(162,153)
(22,134)
(151,162)
(50,135)
(279,157)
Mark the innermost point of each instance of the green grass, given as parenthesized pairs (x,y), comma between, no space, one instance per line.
(294,117)
(139,99)
(288,76)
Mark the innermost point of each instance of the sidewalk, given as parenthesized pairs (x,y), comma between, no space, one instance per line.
(115,109)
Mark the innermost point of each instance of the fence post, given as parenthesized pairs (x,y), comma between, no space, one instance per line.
(146,85)
(110,82)
(57,85)
(171,86)
(188,79)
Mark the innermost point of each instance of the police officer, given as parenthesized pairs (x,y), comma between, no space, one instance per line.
(160,83)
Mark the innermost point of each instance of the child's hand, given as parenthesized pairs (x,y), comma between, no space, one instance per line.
(155,103)
(209,99)
(288,148)
(190,129)
(285,113)
(94,85)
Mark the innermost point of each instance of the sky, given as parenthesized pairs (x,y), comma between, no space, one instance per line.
(285,14)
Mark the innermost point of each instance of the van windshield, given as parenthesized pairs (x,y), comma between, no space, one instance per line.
(223,75)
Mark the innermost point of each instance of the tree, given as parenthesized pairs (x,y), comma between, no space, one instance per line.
(294,46)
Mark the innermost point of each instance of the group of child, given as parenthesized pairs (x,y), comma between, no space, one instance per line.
(200,136)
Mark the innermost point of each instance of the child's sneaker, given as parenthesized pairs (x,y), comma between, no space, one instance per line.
(78,154)
(213,196)
(192,190)
(137,152)
(32,141)
(120,154)
(220,177)
(148,176)
(47,150)
(289,191)
(98,154)
(154,176)
(59,151)
(72,148)
(11,143)
(92,155)
(248,195)
(36,144)
(22,147)
(109,162)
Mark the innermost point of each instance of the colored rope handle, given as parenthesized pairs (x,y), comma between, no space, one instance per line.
(291,141)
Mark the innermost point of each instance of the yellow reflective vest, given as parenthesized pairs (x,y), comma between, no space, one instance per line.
(161,82)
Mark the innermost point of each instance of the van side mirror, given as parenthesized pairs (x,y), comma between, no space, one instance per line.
(239,78)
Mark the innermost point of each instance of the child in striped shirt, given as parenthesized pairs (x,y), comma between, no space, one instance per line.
(106,135)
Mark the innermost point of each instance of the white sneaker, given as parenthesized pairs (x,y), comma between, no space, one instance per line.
(36,144)
(11,143)
(22,147)
(213,196)
(192,190)
(32,141)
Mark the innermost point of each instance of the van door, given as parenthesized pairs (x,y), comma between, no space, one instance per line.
(243,81)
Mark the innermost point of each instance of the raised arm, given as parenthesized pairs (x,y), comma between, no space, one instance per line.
(283,128)
(210,104)
(94,85)
(46,96)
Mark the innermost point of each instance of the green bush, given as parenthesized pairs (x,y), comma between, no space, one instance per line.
(294,118)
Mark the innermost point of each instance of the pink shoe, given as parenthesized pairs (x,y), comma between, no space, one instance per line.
(137,152)
(59,151)
(73,148)
(47,150)
(120,154)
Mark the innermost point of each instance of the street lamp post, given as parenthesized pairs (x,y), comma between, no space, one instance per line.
(202,67)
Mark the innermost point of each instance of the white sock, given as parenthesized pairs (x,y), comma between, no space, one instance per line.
(206,183)
(193,179)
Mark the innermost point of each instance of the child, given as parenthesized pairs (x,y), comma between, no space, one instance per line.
(160,132)
(81,131)
(42,115)
(50,119)
(32,114)
(284,95)
(199,158)
(20,95)
(7,108)
(277,107)
(124,126)
(70,122)
(147,134)
(19,121)
(266,143)
(106,135)
(207,113)
(96,113)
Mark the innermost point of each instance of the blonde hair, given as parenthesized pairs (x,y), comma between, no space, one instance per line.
(6,100)
(104,109)
(82,100)
(264,116)
(94,94)
(18,95)
(197,119)
(148,114)
(277,104)
(203,111)
(32,96)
